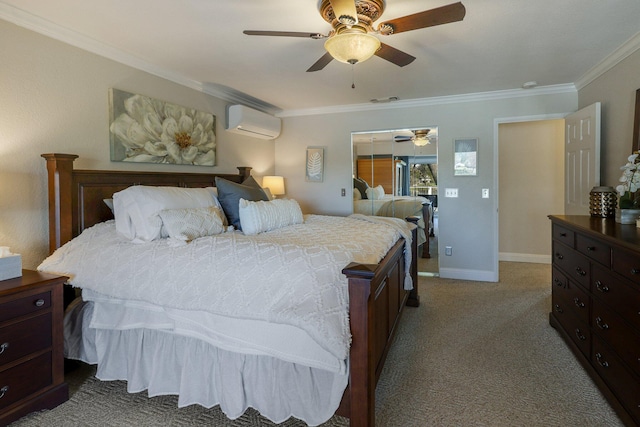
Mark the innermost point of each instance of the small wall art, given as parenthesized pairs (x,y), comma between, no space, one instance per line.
(315,164)
(147,130)
(465,157)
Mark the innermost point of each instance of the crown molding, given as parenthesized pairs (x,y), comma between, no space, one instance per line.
(438,100)
(611,60)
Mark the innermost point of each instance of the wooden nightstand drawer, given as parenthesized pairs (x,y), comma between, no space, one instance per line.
(13,383)
(618,293)
(22,338)
(563,235)
(620,336)
(23,306)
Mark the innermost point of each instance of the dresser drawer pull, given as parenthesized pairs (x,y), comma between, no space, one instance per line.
(559,255)
(635,271)
(601,362)
(578,303)
(558,309)
(601,324)
(580,335)
(601,287)
(563,234)
(3,347)
(557,282)
(580,271)
(591,248)
(3,391)
(39,302)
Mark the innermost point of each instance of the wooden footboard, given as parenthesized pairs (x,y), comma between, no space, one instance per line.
(376,292)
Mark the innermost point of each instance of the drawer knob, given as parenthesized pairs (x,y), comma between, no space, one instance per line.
(559,255)
(563,234)
(601,287)
(635,271)
(578,303)
(39,302)
(580,335)
(558,309)
(3,391)
(601,324)
(601,362)
(591,248)
(580,271)
(557,282)
(3,347)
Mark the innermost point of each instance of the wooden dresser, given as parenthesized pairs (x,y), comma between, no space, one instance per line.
(596,304)
(31,345)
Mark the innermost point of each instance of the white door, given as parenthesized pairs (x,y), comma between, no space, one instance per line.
(582,158)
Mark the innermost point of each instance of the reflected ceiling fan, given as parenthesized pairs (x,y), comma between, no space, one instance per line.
(351,39)
(419,137)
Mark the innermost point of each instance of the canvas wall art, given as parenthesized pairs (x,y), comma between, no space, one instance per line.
(315,164)
(147,130)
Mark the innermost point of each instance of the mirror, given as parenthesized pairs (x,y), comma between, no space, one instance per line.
(395,174)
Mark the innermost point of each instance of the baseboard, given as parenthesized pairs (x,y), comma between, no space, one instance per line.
(474,275)
(532,258)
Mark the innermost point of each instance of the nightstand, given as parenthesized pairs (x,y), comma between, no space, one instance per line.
(31,345)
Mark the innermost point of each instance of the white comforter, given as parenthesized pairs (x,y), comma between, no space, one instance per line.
(289,276)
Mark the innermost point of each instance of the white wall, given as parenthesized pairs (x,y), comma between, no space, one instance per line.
(54,98)
(468,223)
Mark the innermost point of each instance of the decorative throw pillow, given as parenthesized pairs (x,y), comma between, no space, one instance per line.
(261,216)
(375,193)
(356,194)
(361,185)
(136,208)
(190,223)
(230,193)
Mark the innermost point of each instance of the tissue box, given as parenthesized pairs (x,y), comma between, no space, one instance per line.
(10,267)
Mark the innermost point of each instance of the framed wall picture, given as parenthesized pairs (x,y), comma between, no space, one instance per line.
(147,130)
(465,157)
(315,164)
(636,124)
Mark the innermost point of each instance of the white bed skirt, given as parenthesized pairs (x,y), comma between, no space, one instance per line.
(164,363)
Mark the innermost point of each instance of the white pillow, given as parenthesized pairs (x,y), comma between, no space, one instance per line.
(190,223)
(356,194)
(261,216)
(136,208)
(375,193)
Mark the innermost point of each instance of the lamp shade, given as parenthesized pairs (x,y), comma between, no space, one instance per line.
(275,184)
(352,47)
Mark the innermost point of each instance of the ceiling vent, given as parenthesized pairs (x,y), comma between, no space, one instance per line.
(250,122)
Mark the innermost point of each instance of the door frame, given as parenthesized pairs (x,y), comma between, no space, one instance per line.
(496,176)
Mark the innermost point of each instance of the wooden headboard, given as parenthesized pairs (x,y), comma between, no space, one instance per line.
(76,196)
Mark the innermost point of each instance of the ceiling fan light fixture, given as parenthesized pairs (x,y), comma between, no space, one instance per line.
(352,47)
(421,142)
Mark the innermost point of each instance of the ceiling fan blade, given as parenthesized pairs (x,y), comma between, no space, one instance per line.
(321,63)
(284,34)
(345,11)
(394,55)
(429,18)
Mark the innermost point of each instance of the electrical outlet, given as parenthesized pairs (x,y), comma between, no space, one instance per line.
(450,192)
(485,193)
(343,192)
(448,251)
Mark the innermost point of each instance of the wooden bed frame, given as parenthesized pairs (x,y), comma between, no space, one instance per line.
(376,294)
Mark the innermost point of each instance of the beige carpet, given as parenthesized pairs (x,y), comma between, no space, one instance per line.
(473,354)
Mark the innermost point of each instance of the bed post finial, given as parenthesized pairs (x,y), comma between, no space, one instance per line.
(60,175)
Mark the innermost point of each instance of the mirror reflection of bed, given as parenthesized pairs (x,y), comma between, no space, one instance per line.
(395,174)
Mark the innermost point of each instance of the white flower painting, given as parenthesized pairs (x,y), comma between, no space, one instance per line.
(144,129)
(315,164)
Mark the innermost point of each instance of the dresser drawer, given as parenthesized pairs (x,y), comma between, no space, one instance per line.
(624,384)
(618,334)
(570,297)
(575,265)
(627,264)
(594,249)
(15,384)
(617,293)
(19,339)
(576,329)
(22,306)
(563,234)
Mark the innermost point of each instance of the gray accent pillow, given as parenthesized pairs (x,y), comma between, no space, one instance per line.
(361,185)
(230,193)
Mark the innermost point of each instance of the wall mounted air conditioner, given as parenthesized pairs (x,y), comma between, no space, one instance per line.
(250,122)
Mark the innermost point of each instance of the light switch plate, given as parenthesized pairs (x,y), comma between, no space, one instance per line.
(485,193)
(450,192)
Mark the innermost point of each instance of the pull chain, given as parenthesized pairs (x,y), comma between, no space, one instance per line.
(353,73)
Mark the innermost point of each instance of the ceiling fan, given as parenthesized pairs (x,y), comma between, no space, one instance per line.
(419,137)
(351,39)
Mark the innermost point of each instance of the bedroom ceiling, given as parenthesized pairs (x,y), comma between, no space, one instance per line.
(500,45)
